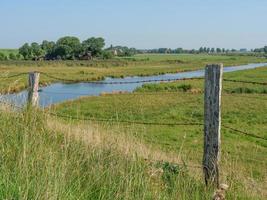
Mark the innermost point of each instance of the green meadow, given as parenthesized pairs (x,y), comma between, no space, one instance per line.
(91,148)
(138,65)
(243,107)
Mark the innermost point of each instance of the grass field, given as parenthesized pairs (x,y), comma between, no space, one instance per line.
(48,157)
(42,158)
(243,158)
(141,65)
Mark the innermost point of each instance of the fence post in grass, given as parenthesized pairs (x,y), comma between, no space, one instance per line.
(212,123)
(33,95)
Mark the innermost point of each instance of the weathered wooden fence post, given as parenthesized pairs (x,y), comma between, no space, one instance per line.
(33,95)
(212,123)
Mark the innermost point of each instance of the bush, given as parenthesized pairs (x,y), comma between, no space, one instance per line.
(2,56)
(107,55)
(168,87)
(12,56)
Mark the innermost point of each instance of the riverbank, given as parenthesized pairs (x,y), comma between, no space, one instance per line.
(244,106)
(136,161)
(82,71)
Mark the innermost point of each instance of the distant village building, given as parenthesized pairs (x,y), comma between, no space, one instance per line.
(243,50)
(115,52)
(86,56)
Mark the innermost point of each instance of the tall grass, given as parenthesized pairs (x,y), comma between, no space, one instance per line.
(37,163)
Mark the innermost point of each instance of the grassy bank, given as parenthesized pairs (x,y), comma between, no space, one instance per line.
(141,65)
(43,158)
(40,163)
(243,157)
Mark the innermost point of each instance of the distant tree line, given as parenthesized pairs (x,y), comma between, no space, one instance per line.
(10,56)
(66,48)
(190,51)
(123,51)
(70,48)
(260,50)
(207,50)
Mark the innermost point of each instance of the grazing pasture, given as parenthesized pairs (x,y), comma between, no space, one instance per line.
(123,146)
(243,107)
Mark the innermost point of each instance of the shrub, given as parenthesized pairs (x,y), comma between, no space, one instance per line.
(2,56)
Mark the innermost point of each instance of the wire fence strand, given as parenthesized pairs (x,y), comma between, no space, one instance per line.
(243,132)
(122,82)
(13,76)
(126,121)
(141,123)
(132,82)
(243,81)
(151,80)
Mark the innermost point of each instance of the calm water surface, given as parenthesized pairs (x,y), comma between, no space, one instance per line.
(60,92)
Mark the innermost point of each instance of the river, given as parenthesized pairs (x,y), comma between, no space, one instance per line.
(59,92)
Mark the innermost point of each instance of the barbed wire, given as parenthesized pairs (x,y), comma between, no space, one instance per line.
(122,93)
(152,80)
(126,121)
(111,120)
(238,95)
(249,82)
(13,76)
(122,82)
(157,124)
(244,132)
(143,123)
(146,123)
(132,82)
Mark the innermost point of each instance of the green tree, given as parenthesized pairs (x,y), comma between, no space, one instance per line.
(93,45)
(179,50)
(218,50)
(26,51)
(69,45)
(63,52)
(12,56)
(48,46)
(2,56)
(18,56)
(49,49)
(37,51)
(107,55)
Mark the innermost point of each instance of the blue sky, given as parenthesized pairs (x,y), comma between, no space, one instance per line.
(137,23)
